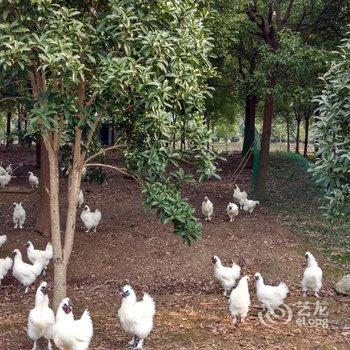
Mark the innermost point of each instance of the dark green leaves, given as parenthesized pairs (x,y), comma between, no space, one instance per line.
(332,135)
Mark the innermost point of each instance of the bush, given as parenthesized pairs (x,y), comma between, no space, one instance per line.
(332,135)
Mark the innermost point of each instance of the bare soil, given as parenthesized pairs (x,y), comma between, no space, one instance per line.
(132,246)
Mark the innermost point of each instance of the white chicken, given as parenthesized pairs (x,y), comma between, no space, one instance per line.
(249,205)
(83,172)
(3,240)
(2,170)
(232,211)
(5,265)
(312,279)
(271,297)
(44,256)
(239,196)
(9,169)
(227,276)
(81,198)
(19,215)
(41,318)
(25,273)
(33,180)
(70,334)
(207,208)
(90,219)
(240,300)
(136,317)
(5,179)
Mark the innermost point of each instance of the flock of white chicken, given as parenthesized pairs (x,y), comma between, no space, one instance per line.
(136,317)
(90,219)
(270,297)
(232,210)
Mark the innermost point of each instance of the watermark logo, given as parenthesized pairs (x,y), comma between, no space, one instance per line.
(282,315)
(310,314)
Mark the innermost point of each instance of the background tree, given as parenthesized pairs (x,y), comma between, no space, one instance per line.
(137,63)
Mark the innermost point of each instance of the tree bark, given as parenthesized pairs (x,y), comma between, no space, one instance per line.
(60,269)
(43,222)
(288,136)
(306,142)
(38,143)
(249,126)
(8,129)
(260,187)
(297,139)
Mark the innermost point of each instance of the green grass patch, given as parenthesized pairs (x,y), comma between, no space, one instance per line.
(295,198)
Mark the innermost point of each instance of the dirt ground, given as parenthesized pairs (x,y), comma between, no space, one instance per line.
(132,246)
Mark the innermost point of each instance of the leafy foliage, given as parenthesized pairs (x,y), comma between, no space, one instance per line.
(143,67)
(332,134)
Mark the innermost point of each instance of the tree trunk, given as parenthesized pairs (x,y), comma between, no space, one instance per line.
(297,139)
(306,142)
(251,102)
(38,143)
(288,136)
(60,268)
(8,129)
(43,223)
(260,187)
(110,135)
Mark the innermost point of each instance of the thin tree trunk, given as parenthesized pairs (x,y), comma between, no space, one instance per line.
(38,142)
(249,122)
(306,142)
(25,121)
(260,187)
(43,222)
(249,127)
(60,268)
(288,136)
(297,139)
(8,129)
(19,126)
(208,127)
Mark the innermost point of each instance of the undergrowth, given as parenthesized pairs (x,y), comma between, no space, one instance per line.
(296,200)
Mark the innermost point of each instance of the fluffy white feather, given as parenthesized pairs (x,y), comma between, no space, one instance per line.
(3,240)
(227,276)
(19,215)
(232,211)
(136,317)
(207,208)
(90,219)
(70,334)
(9,169)
(44,256)
(25,273)
(271,297)
(240,300)
(81,198)
(5,179)
(5,265)
(33,180)
(41,318)
(312,279)
(249,205)
(2,170)
(239,196)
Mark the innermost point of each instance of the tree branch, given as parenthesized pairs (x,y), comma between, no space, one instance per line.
(288,12)
(120,170)
(103,151)
(91,100)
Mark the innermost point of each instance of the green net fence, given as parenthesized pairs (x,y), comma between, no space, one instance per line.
(256,159)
